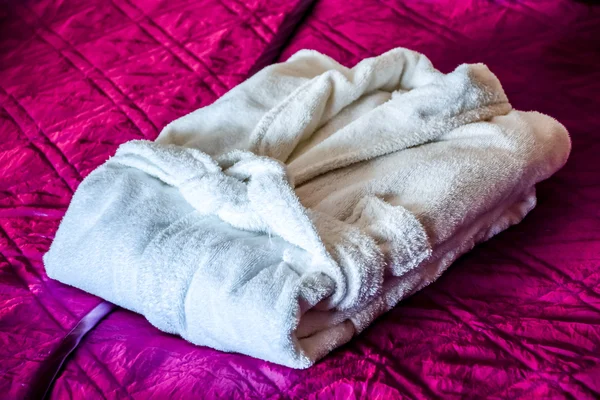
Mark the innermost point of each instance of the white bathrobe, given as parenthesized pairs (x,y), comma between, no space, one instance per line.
(281,220)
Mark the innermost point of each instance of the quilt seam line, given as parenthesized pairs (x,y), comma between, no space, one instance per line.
(252,12)
(441,30)
(105,369)
(234,12)
(36,147)
(582,287)
(343,36)
(93,82)
(176,43)
(477,332)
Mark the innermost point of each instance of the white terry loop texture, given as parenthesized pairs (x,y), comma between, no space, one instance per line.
(284,218)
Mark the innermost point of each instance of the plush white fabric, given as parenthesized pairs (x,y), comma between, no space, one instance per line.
(283,219)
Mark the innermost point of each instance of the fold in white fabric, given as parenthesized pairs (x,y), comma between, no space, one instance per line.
(281,220)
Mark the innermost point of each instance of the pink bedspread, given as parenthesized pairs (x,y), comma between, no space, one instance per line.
(518,317)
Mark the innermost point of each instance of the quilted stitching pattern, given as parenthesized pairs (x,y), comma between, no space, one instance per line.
(76,80)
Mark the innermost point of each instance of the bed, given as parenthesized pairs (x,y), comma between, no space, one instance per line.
(517,317)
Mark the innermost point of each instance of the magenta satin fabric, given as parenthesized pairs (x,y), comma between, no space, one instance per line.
(518,317)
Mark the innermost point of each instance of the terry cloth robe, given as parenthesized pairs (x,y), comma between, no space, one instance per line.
(281,220)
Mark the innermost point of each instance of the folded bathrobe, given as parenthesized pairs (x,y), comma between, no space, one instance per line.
(281,220)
